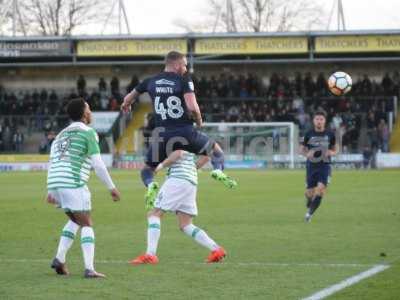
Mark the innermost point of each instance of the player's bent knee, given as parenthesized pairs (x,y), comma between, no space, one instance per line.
(184,220)
(83,223)
(71,217)
(183,225)
(309,193)
(83,219)
(88,222)
(320,190)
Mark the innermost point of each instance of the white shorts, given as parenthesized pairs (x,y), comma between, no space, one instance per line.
(73,200)
(177,195)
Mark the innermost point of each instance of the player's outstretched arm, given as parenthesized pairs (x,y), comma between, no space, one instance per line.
(101,171)
(203,159)
(173,157)
(193,107)
(128,100)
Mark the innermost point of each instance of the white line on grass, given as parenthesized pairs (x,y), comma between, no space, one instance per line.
(322,294)
(245,264)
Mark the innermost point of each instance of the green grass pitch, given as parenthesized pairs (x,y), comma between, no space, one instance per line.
(272,253)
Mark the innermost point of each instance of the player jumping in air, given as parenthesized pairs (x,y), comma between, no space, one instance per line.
(318,147)
(178,195)
(175,107)
(73,153)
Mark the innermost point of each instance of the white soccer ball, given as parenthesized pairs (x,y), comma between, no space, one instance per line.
(339,83)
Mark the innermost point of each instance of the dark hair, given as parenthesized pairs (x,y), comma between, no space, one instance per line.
(173,56)
(320,113)
(76,108)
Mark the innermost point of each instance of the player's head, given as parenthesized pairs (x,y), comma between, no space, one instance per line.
(79,110)
(319,120)
(176,62)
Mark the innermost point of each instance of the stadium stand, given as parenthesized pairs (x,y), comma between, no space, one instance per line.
(359,119)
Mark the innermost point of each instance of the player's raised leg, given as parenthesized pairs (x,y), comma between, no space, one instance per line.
(217,157)
(201,144)
(217,253)
(147,174)
(217,161)
(153,236)
(156,154)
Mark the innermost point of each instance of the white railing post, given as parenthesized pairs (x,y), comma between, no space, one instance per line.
(291,146)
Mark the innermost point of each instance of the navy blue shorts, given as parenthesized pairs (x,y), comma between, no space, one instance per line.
(184,138)
(317,173)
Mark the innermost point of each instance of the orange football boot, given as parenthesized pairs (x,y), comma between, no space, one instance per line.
(145,259)
(216,255)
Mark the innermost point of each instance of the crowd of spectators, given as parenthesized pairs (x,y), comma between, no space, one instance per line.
(226,97)
(248,99)
(11,138)
(44,110)
(45,102)
(279,85)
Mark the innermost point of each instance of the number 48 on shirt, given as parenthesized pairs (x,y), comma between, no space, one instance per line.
(173,109)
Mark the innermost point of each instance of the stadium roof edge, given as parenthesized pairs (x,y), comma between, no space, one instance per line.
(355,32)
(295,33)
(131,36)
(194,35)
(34,38)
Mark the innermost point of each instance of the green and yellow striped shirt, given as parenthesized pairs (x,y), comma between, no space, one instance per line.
(70,154)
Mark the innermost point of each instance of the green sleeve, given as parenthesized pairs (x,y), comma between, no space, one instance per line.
(93,142)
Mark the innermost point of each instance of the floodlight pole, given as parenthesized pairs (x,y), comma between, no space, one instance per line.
(217,19)
(231,24)
(13,9)
(122,17)
(341,16)
(230,20)
(14,18)
(122,5)
(338,6)
(119,17)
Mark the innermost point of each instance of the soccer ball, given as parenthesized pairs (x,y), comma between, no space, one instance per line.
(339,83)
